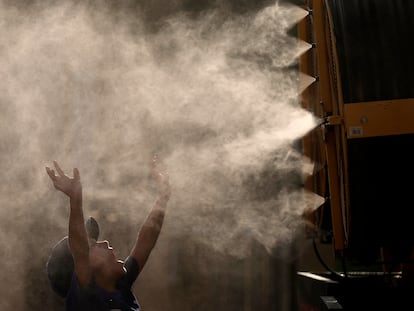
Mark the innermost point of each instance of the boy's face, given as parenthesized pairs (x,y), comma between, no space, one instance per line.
(101,255)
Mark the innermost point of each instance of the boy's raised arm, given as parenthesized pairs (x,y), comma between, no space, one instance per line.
(150,230)
(78,238)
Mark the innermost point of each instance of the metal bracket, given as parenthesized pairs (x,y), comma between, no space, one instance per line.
(334,120)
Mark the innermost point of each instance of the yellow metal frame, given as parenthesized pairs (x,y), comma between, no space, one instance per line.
(379,118)
(327,145)
(316,182)
(326,102)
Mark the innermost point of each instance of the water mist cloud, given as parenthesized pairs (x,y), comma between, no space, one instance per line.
(215,96)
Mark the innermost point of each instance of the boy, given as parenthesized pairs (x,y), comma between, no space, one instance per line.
(98,281)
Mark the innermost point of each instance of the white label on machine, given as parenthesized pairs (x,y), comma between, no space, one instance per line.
(356,131)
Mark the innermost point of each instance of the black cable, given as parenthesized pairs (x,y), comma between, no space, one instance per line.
(335,275)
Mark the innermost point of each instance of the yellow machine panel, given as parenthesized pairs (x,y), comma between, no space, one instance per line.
(379,118)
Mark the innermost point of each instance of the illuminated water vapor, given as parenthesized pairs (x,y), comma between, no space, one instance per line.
(257,148)
(216,97)
(296,13)
(305,81)
(303,47)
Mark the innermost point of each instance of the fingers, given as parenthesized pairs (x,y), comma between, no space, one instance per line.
(60,172)
(58,169)
(165,188)
(51,173)
(156,169)
(76,175)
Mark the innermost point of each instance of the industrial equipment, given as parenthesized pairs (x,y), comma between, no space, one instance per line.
(362,62)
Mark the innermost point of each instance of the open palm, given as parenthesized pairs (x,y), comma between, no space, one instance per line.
(62,182)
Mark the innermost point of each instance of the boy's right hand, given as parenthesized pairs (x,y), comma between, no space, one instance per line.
(72,187)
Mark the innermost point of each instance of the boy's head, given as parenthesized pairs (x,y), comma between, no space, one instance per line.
(60,264)
(102,259)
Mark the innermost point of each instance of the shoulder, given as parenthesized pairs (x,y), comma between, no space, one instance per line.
(132,271)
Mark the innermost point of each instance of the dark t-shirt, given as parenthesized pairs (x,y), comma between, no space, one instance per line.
(94,298)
